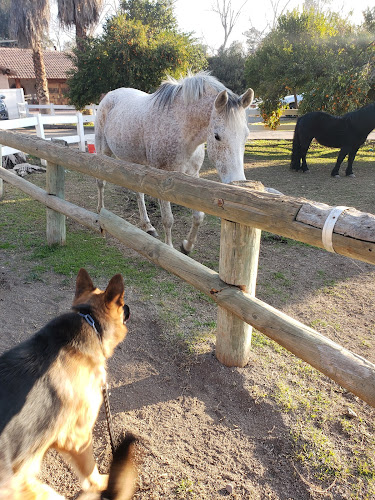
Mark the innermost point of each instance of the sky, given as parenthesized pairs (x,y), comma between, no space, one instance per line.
(197,16)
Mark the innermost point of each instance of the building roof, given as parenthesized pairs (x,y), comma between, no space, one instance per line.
(19,62)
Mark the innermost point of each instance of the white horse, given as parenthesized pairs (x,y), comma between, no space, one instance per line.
(168,129)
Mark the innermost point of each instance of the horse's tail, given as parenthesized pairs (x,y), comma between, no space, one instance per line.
(101,144)
(295,163)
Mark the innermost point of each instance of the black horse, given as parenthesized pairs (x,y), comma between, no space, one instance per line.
(347,132)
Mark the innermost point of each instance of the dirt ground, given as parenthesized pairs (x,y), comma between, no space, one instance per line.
(209,431)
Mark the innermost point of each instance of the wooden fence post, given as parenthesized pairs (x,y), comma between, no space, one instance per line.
(238,265)
(55,185)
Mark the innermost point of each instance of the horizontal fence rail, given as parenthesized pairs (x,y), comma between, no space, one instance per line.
(38,121)
(351,371)
(296,218)
(25,108)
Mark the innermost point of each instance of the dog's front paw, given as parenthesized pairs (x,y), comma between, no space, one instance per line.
(102,482)
(95,482)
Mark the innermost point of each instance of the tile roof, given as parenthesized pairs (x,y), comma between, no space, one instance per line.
(20,63)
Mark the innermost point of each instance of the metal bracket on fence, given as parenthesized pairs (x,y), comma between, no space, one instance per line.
(329,225)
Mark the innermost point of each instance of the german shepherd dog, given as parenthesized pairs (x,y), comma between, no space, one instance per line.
(51,391)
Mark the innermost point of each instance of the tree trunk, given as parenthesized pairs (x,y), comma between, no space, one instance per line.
(40,75)
(295,99)
(81,36)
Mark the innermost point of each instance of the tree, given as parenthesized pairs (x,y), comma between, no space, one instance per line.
(4,19)
(228,66)
(320,55)
(29,23)
(369,20)
(79,13)
(369,27)
(254,36)
(228,17)
(253,39)
(131,54)
(157,14)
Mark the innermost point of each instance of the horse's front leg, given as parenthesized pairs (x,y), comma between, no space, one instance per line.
(100,185)
(145,221)
(349,168)
(188,244)
(335,172)
(304,166)
(167,220)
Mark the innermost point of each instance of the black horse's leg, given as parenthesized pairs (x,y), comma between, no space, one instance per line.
(304,148)
(349,168)
(343,152)
(295,163)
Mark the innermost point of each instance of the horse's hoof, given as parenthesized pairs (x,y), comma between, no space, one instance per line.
(182,248)
(153,233)
(350,175)
(306,171)
(336,176)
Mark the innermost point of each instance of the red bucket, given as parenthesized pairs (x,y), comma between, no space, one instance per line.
(91,148)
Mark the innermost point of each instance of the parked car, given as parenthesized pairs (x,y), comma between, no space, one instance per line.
(3,109)
(290,101)
(256,102)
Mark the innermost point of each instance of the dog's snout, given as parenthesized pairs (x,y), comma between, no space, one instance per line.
(126,312)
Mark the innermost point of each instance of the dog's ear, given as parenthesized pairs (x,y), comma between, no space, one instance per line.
(83,283)
(115,291)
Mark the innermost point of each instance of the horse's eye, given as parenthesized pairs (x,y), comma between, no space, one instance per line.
(217,137)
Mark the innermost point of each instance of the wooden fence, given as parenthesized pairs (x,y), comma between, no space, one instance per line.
(244,212)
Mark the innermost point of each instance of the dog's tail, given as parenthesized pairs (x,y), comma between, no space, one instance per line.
(123,473)
(295,163)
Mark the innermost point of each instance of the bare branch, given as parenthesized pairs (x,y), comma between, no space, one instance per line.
(228,16)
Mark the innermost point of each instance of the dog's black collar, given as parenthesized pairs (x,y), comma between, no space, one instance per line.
(87,316)
(94,324)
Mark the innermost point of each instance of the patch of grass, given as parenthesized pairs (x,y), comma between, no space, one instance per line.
(7,246)
(169,287)
(282,278)
(259,340)
(23,221)
(272,150)
(282,240)
(258,393)
(284,397)
(92,252)
(316,449)
(185,489)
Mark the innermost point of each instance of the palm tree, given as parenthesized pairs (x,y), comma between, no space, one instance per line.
(79,13)
(29,21)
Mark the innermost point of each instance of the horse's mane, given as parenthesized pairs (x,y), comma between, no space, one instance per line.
(192,88)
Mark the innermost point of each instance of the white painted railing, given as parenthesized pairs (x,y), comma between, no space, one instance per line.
(39,121)
(286,112)
(26,108)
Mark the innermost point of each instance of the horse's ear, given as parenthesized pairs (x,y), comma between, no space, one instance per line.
(247,98)
(221,100)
